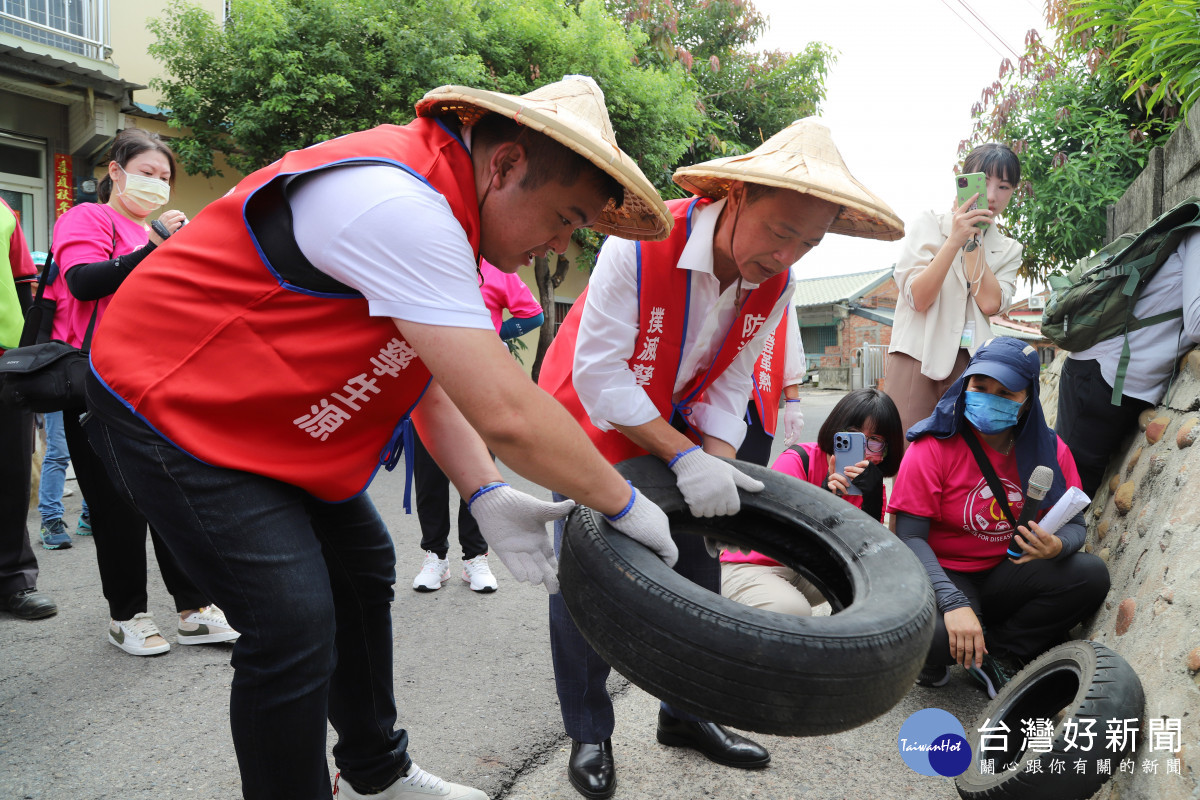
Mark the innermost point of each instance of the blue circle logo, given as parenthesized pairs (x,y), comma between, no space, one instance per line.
(933,742)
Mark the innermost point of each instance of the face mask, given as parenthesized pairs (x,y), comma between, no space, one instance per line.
(145,193)
(991,413)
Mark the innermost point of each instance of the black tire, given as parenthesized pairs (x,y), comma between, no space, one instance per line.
(733,664)
(1080,680)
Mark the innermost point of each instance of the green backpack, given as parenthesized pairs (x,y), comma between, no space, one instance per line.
(1094,300)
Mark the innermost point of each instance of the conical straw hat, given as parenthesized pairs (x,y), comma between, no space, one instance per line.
(802,157)
(571,112)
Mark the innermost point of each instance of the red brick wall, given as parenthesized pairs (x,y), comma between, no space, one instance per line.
(855,330)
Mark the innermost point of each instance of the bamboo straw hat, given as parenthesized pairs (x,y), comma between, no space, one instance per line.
(802,157)
(572,113)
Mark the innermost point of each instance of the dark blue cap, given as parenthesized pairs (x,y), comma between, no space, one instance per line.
(1014,363)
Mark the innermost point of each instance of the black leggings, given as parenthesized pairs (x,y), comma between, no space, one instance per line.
(1026,608)
(119,531)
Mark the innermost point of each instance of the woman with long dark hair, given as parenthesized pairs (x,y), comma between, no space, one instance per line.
(96,246)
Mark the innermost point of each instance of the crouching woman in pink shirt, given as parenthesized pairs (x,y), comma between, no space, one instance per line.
(996,613)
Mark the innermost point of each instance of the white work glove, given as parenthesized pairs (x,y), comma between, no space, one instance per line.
(710,485)
(514,526)
(645,523)
(793,422)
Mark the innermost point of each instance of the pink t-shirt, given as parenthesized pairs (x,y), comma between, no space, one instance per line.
(818,473)
(503,290)
(84,235)
(940,480)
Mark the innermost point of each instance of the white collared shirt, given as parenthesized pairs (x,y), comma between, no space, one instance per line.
(933,336)
(1155,350)
(608,331)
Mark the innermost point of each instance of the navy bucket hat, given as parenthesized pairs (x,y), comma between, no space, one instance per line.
(1017,365)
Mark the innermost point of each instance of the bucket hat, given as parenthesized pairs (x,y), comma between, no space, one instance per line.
(801,157)
(572,113)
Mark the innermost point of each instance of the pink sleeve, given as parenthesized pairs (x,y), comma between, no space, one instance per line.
(518,298)
(789,463)
(917,489)
(83,235)
(1066,462)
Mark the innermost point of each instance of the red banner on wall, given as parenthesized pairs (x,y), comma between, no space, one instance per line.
(64,184)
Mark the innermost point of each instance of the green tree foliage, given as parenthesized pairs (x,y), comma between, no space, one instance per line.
(1081,143)
(1153,46)
(283,74)
(746,95)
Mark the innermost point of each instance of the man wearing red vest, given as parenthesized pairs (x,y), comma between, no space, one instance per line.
(656,357)
(256,370)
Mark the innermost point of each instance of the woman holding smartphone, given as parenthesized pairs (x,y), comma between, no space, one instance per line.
(952,275)
(756,580)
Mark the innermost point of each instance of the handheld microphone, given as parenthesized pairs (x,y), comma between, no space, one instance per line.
(1040,481)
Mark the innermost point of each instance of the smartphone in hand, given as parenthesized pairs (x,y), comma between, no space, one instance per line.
(969,185)
(849,448)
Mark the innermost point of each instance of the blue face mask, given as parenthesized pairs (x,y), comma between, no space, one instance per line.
(990,413)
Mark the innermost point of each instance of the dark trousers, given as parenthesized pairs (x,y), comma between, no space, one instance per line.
(1027,608)
(309,585)
(1089,423)
(756,447)
(18,565)
(433,509)
(119,531)
(581,675)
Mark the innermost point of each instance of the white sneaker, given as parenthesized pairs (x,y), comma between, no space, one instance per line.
(416,785)
(138,636)
(434,572)
(477,573)
(206,626)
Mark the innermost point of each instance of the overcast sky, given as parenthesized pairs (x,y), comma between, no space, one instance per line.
(899,96)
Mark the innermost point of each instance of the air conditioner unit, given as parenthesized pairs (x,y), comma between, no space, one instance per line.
(1037,303)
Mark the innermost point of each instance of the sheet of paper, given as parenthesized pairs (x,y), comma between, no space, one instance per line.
(1071,503)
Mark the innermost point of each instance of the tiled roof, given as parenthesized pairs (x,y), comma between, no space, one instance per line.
(838,288)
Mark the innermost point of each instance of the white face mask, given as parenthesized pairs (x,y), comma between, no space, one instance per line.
(143,192)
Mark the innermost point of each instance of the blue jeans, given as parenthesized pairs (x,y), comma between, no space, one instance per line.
(309,585)
(54,470)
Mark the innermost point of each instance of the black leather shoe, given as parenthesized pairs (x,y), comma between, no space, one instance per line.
(591,769)
(29,604)
(714,741)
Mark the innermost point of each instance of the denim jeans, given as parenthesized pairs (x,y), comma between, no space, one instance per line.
(309,585)
(54,470)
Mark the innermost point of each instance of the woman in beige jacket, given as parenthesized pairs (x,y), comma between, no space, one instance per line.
(951,278)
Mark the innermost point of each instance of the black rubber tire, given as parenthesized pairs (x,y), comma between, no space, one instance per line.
(753,669)
(1078,679)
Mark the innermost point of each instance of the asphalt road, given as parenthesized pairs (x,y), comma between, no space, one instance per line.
(80,719)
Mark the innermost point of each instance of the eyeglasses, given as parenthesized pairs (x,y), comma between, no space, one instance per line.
(875,444)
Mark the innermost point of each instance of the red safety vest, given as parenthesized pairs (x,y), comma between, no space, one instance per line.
(244,360)
(768,375)
(663,305)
